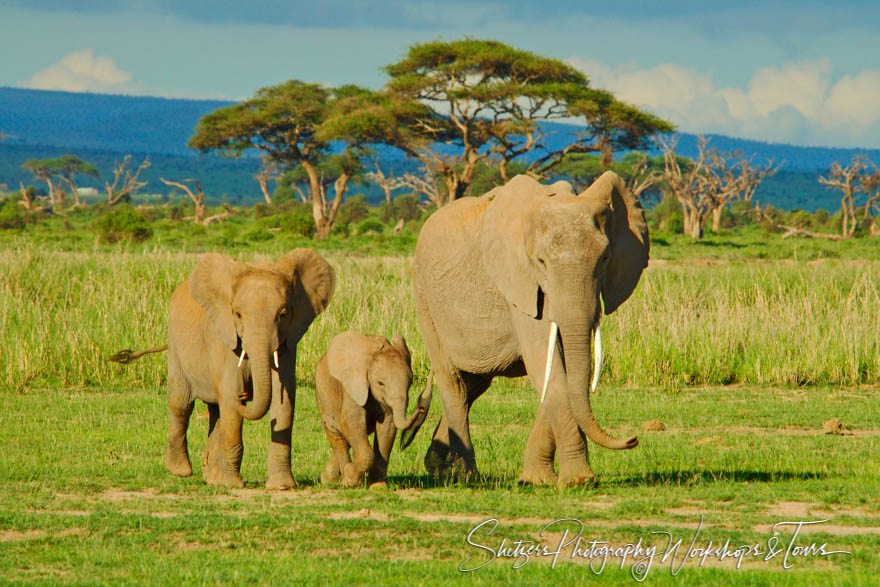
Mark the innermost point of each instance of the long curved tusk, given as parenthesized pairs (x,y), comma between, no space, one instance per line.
(597,358)
(241,359)
(275,356)
(551,345)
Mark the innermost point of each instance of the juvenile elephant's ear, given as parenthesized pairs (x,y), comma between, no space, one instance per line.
(313,281)
(503,241)
(400,344)
(348,359)
(210,285)
(628,236)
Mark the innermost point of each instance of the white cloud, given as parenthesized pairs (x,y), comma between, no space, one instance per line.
(83,71)
(797,102)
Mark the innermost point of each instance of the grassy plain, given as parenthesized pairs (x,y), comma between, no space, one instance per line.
(740,357)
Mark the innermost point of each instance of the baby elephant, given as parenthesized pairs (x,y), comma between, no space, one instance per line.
(361,384)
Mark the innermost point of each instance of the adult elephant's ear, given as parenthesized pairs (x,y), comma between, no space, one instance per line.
(312,283)
(210,285)
(503,241)
(348,360)
(628,236)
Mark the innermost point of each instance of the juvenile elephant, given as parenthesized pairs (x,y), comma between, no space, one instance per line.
(232,334)
(362,383)
(495,279)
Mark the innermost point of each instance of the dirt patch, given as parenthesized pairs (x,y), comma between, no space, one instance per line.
(653,426)
(833,529)
(28,535)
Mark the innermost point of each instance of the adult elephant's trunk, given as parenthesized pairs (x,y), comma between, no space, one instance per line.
(575,330)
(258,356)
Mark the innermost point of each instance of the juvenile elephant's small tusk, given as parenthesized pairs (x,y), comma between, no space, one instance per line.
(275,356)
(597,358)
(551,344)
(241,358)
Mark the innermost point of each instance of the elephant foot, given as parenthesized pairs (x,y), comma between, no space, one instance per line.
(225,478)
(437,458)
(281,481)
(331,473)
(351,477)
(378,485)
(581,480)
(178,464)
(538,476)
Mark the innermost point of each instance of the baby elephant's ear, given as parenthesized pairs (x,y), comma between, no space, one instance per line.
(400,344)
(348,359)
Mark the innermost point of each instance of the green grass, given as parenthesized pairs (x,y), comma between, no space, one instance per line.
(688,323)
(85,497)
(742,359)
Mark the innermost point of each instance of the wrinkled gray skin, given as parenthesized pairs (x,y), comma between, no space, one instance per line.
(362,383)
(490,275)
(224,309)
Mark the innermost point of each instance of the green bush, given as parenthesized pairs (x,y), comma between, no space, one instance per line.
(123,222)
(351,211)
(12,216)
(371,224)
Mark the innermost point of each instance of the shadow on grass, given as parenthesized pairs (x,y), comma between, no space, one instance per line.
(428,481)
(696,477)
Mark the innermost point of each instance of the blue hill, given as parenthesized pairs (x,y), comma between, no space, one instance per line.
(37,121)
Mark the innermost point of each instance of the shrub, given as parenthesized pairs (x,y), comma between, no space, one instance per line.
(12,216)
(351,211)
(371,224)
(123,223)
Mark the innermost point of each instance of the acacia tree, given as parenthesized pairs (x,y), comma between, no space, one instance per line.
(869,184)
(388,183)
(488,99)
(197,197)
(640,172)
(847,180)
(269,171)
(295,124)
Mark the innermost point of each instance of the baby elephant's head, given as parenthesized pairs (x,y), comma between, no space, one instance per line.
(367,364)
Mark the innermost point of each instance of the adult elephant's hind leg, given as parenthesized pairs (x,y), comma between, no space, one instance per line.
(451,450)
(180,408)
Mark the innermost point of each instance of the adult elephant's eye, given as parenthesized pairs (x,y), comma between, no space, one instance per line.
(282,313)
(238,315)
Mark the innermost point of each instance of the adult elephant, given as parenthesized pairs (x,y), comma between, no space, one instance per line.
(498,276)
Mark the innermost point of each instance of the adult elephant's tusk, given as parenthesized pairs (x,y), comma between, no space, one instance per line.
(241,358)
(551,344)
(275,356)
(597,358)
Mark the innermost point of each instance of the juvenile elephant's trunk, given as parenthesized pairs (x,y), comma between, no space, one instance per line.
(401,422)
(575,330)
(258,356)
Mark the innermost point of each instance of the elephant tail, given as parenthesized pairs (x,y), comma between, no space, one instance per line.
(126,356)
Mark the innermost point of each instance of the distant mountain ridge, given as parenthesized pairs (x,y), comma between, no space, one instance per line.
(102,128)
(142,124)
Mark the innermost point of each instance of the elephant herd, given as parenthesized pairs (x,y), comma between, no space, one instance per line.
(511,283)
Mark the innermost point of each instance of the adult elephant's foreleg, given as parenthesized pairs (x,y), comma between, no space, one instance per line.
(571,445)
(281,424)
(223,459)
(539,452)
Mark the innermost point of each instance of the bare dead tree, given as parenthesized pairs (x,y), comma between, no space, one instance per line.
(197,197)
(425,185)
(130,183)
(26,202)
(709,183)
(688,186)
(269,171)
(387,183)
(643,177)
(869,184)
(846,180)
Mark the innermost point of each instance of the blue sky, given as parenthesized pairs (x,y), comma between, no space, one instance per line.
(805,73)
